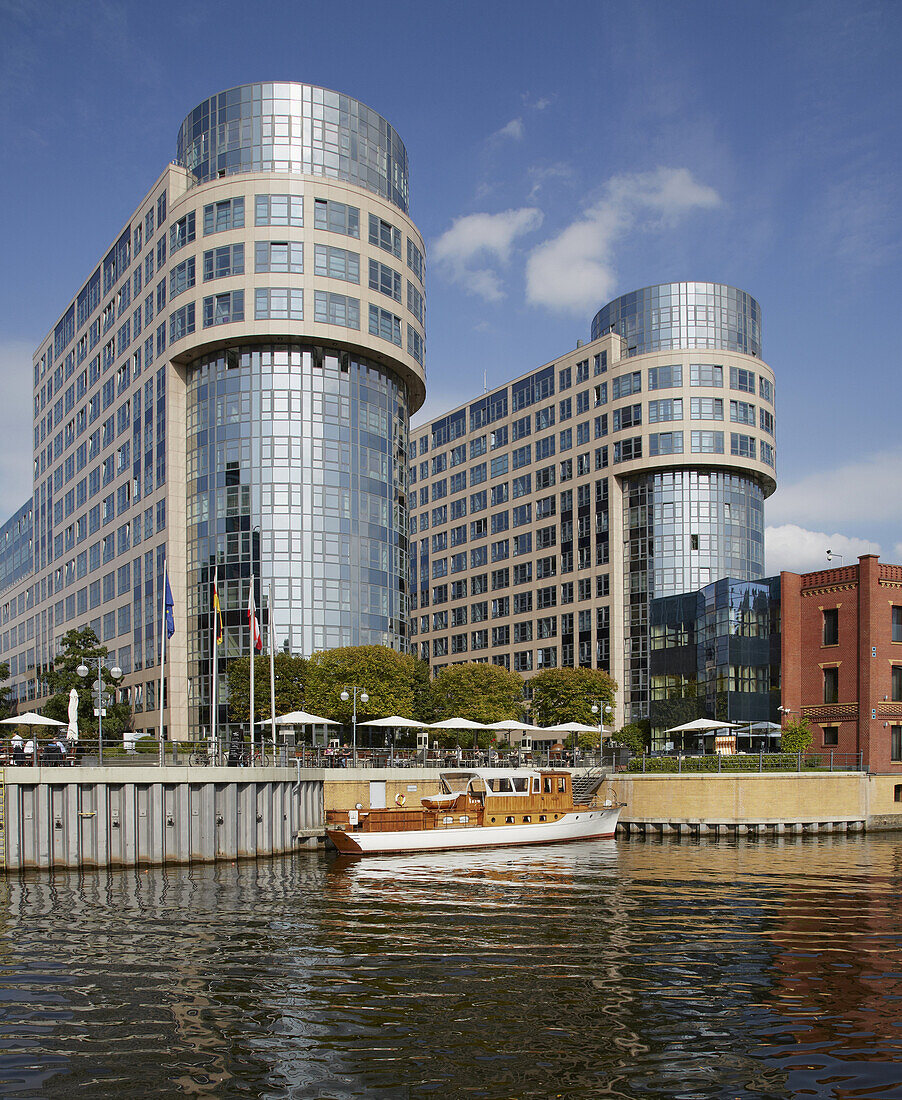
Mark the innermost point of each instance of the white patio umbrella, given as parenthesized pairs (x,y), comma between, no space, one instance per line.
(29,718)
(72,731)
(458,724)
(571,727)
(299,718)
(513,724)
(698,725)
(395,721)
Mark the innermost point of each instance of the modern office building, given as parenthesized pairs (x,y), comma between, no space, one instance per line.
(548,513)
(228,393)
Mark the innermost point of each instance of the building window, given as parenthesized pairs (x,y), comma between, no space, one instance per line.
(336,309)
(220,309)
(385,324)
(279,210)
(707,442)
(897,684)
(219,263)
(385,280)
(384,235)
(281,257)
(665,443)
(831,626)
(831,736)
(896,752)
(181,278)
(415,261)
(336,217)
(181,323)
(278,303)
(706,408)
(181,233)
(705,374)
(742,445)
(897,624)
(831,684)
(665,378)
(221,216)
(742,380)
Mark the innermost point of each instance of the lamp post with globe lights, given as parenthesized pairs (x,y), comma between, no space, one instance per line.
(604,711)
(100,698)
(364,698)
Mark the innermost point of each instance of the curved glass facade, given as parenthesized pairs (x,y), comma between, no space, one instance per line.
(683,315)
(297,474)
(294,128)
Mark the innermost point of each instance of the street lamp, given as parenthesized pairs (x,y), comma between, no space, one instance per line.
(101,699)
(364,698)
(831,554)
(603,710)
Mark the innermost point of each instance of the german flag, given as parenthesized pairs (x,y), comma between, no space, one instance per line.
(217,611)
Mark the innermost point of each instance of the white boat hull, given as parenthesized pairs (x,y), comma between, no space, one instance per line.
(582,824)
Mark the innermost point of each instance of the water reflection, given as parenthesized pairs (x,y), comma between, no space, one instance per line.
(661,969)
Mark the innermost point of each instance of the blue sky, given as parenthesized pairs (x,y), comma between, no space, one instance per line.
(559,156)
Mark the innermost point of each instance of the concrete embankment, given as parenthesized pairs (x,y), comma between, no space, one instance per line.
(124,816)
(743,802)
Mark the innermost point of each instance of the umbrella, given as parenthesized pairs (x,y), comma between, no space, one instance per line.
(72,731)
(395,721)
(699,725)
(458,724)
(299,718)
(513,724)
(29,718)
(572,727)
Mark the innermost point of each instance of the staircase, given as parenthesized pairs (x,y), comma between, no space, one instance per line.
(586,786)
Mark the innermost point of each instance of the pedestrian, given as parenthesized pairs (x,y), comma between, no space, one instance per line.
(18,750)
(29,751)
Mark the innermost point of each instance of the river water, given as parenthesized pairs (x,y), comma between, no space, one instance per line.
(627,968)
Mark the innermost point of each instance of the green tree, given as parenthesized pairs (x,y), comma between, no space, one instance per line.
(482,693)
(4,691)
(83,647)
(796,736)
(633,736)
(389,678)
(290,680)
(567,695)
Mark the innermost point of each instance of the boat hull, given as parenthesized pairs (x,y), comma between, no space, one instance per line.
(583,824)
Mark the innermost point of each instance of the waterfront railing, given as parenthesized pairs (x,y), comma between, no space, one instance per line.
(748,762)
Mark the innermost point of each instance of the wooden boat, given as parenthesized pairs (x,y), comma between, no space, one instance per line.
(482,808)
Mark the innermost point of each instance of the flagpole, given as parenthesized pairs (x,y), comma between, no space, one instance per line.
(250,632)
(272,673)
(163,652)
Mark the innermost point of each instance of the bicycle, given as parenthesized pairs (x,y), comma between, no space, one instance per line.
(200,758)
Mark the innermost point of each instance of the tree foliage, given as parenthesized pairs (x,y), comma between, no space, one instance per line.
(567,695)
(482,693)
(633,736)
(4,691)
(83,647)
(290,680)
(796,736)
(392,680)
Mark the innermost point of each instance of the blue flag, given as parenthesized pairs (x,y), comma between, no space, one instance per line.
(169,606)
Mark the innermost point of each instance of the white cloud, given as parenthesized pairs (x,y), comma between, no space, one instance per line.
(855,493)
(470,251)
(799,550)
(544,173)
(575,270)
(16,444)
(513,130)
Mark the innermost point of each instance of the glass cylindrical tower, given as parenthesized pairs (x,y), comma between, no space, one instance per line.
(301,348)
(695,475)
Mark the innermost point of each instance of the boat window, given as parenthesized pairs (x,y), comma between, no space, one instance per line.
(447,820)
(521,784)
(562,785)
(547,785)
(542,817)
(535,786)
(527,819)
(508,821)
(500,784)
(464,820)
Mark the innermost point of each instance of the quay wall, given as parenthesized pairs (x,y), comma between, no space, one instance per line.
(125,816)
(763,800)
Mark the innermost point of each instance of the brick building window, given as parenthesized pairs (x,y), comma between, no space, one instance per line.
(831,626)
(896,744)
(831,685)
(897,684)
(897,624)
(831,736)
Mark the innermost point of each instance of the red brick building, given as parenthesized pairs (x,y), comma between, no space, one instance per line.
(841,656)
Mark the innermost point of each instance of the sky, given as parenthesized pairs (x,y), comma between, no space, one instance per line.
(559,156)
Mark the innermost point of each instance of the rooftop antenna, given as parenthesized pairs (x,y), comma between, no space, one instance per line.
(485,381)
